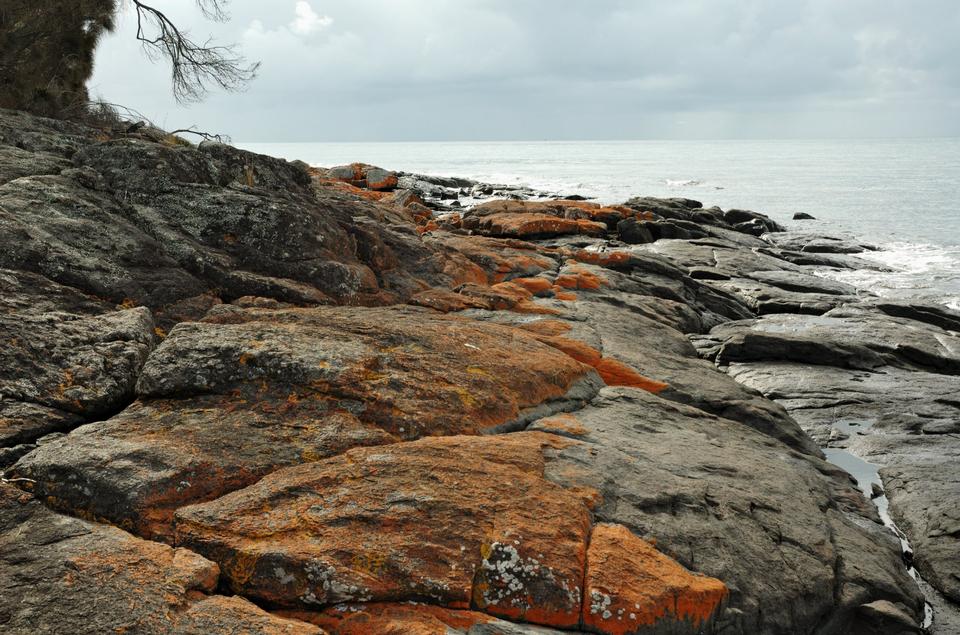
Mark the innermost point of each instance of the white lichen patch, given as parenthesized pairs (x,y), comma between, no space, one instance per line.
(512,580)
(326,588)
(600,604)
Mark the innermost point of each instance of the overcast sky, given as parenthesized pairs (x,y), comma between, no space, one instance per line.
(410,70)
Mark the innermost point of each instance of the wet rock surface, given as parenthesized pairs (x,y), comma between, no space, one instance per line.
(365,401)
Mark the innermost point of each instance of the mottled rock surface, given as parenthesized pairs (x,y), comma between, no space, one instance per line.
(377,402)
(64,575)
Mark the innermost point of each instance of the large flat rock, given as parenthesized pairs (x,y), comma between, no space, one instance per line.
(486,530)
(736,505)
(225,401)
(64,575)
(848,337)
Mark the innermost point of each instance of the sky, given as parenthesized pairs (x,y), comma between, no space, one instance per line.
(471,70)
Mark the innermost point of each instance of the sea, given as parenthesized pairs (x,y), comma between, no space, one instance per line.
(903,196)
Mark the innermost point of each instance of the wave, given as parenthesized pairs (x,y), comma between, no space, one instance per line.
(917,272)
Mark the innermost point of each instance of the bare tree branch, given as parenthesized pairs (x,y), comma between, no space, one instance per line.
(194,66)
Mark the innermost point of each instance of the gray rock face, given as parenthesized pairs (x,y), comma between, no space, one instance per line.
(808,242)
(714,514)
(84,365)
(849,337)
(883,387)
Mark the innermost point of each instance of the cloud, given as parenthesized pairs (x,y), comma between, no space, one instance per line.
(537,69)
(307,20)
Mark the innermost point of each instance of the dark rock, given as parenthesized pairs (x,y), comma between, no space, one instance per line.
(751,222)
(845,337)
(714,516)
(634,233)
(816,243)
(803,216)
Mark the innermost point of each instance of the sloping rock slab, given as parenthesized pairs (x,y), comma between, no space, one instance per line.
(86,365)
(228,400)
(711,494)
(848,337)
(64,575)
(450,520)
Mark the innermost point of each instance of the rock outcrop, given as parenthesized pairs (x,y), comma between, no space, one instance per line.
(238,395)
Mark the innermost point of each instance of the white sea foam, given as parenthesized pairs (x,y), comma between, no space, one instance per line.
(917,272)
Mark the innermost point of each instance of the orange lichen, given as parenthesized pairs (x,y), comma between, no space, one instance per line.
(578,278)
(612,371)
(487,526)
(536,286)
(616,373)
(547,327)
(630,585)
(609,259)
(567,424)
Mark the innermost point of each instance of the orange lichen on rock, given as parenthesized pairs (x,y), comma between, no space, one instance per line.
(574,348)
(612,371)
(616,373)
(454,519)
(390,619)
(348,188)
(564,424)
(536,286)
(505,296)
(547,327)
(528,225)
(631,587)
(575,277)
(608,259)
(501,258)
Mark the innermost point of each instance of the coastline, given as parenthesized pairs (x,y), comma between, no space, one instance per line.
(294,341)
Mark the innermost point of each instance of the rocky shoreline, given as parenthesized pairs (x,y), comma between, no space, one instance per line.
(239,394)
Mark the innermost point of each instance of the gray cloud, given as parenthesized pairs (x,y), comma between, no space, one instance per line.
(566,69)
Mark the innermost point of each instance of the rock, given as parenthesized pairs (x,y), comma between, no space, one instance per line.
(78,364)
(519,553)
(751,222)
(714,516)
(524,219)
(61,574)
(809,242)
(634,233)
(846,337)
(156,225)
(766,299)
(247,391)
(418,619)
(631,587)
(803,283)
(364,176)
(907,422)
(803,216)
(24,422)
(883,616)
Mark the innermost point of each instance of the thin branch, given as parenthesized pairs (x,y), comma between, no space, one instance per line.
(206,135)
(195,66)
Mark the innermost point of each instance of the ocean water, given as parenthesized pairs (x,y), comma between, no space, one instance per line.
(901,195)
